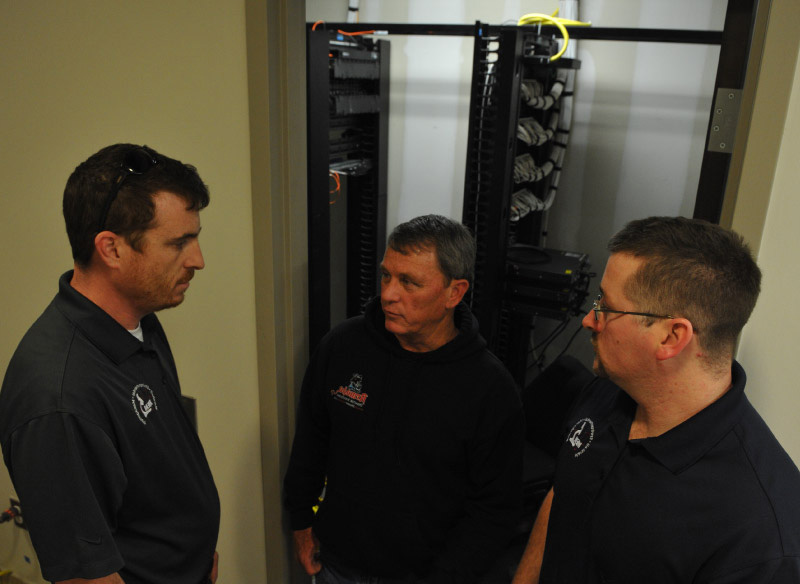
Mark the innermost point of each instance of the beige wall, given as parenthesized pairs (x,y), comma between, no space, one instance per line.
(769,344)
(764,208)
(276,65)
(765,101)
(82,74)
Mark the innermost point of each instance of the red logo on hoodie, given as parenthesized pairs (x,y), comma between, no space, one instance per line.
(351,395)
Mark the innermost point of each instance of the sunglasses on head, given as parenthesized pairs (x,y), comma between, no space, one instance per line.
(137,161)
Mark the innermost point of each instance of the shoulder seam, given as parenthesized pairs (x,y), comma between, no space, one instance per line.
(57,411)
(743,446)
(63,368)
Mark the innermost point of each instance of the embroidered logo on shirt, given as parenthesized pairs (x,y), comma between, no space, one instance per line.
(352,395)
(144,402)
(581,436)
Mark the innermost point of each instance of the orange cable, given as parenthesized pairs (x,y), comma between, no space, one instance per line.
(356,33)
(338,188)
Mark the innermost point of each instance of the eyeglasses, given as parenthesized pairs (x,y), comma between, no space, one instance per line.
(597,307)
(136,161)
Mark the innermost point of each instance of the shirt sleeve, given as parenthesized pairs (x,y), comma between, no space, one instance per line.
(305,476)
(70,481)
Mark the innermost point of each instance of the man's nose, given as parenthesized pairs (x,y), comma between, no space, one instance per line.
(589,321)
(389,290)
(195,258)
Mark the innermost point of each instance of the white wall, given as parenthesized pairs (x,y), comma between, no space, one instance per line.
(639,127)
(640,116)
(769,343)
(80,75)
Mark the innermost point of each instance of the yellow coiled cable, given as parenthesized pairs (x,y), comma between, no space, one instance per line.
(560,23)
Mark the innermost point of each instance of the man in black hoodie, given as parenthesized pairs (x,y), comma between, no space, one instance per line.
(412,427)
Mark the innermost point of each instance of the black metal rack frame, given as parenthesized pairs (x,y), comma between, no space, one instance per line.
(658,35)
(347,122)
(489,168)
(503,58)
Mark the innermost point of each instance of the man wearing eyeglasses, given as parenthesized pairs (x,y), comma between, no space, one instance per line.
(111,475)
(667,473)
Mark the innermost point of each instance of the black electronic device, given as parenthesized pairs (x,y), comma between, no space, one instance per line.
(536,292)
(545,282)
(550,268)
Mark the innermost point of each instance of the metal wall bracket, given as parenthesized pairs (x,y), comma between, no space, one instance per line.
(722,129)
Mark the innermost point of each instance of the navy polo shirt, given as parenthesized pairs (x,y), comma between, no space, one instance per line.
(110,472)
(715,499)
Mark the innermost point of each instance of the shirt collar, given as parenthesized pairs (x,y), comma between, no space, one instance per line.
(685,444)
(100,329)
(621,417)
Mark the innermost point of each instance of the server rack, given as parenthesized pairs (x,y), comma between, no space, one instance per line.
(348,120)
(512,283)
(487,187)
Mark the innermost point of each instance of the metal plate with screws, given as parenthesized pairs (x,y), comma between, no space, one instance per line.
(724,119)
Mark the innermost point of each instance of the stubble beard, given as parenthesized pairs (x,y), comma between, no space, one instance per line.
(597,366)
(158,295)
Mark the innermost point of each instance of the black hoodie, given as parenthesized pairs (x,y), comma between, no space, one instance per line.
(422,452)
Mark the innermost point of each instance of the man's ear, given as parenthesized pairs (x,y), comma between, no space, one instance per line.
(107,246)
(457,290)
(676,335)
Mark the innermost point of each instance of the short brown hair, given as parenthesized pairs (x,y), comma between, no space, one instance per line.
(694,269)
(133,210)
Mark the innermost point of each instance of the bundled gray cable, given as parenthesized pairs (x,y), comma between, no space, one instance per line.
(533,134)
(526,170)
(524,202)
(531,92)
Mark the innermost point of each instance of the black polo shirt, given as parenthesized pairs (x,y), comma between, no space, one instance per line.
(715,499)
(110,472)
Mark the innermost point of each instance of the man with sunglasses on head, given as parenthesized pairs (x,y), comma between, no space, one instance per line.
(108,466)
(667,473)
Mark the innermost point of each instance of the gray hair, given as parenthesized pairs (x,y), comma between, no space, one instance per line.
(451,241)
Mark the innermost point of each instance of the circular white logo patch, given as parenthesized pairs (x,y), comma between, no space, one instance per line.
(581,436)
(144,402)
